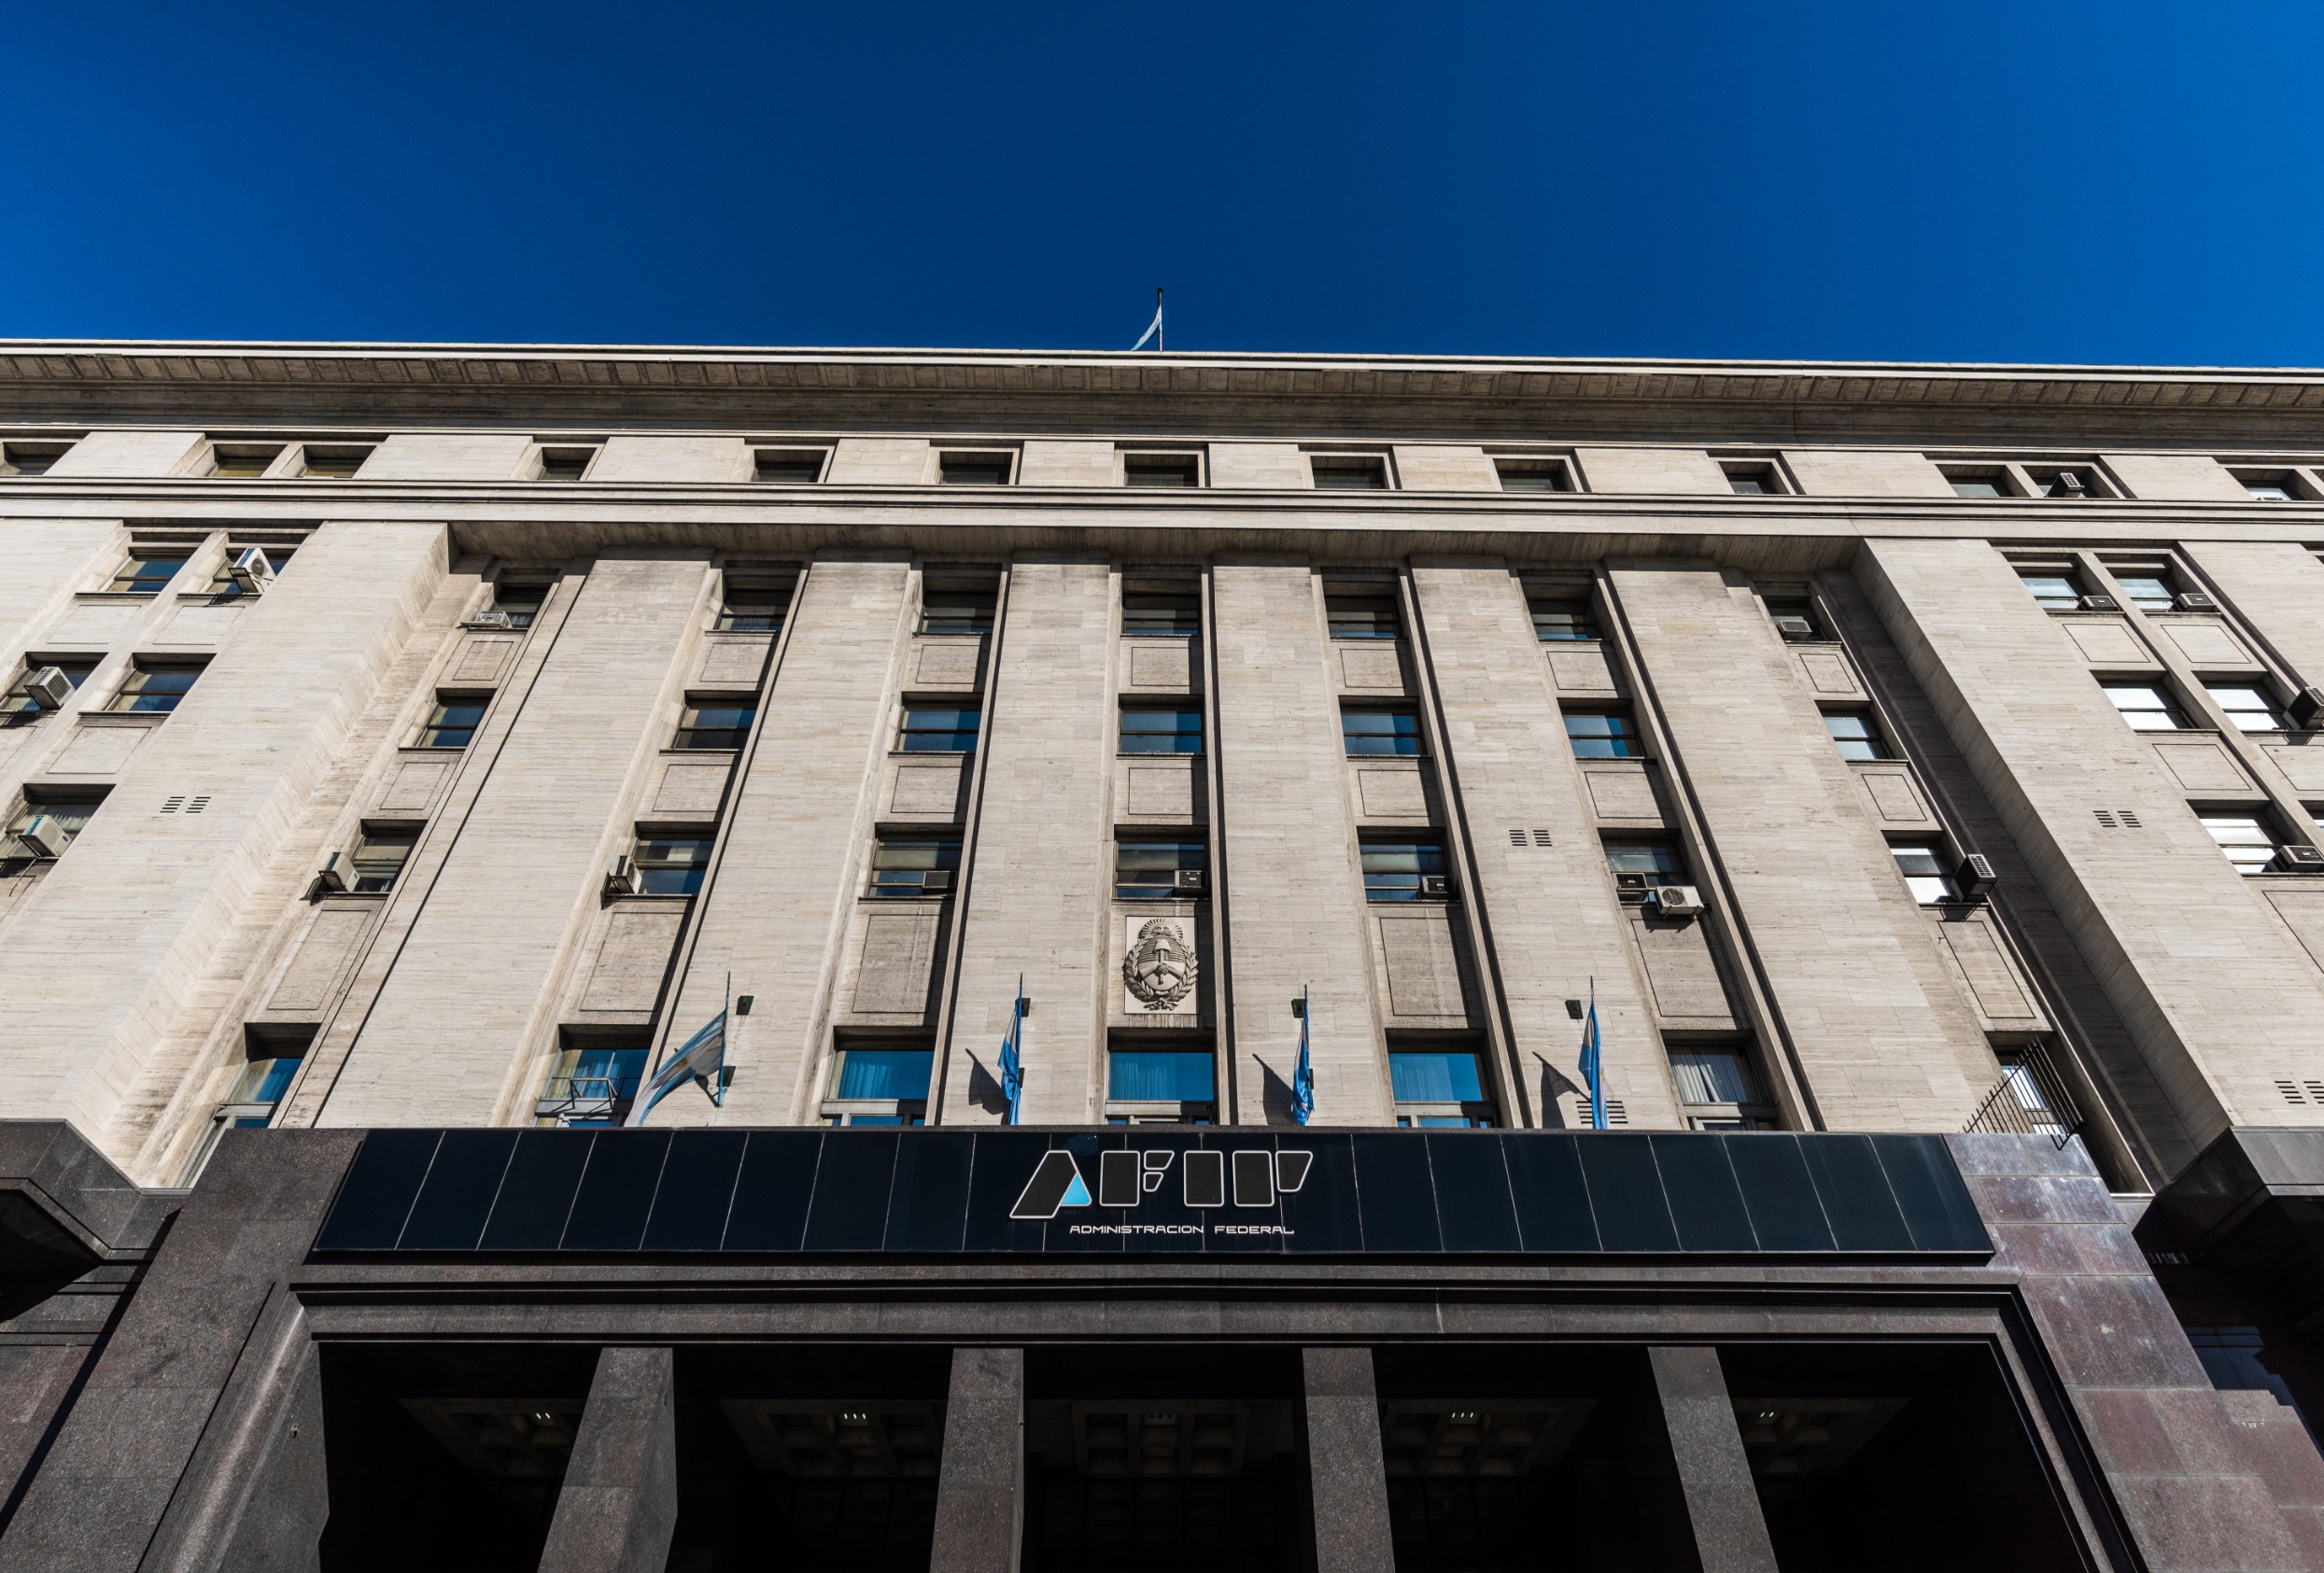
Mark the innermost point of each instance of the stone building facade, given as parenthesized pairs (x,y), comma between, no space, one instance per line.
(1911,774)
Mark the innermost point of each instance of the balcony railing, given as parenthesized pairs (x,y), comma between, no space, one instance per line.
(2031,1099)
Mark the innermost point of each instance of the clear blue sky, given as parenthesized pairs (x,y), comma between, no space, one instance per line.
(1977,181)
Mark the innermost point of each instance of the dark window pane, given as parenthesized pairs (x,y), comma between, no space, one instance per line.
(451,724)
(948,731)
(957,612)
(755,606)
(1157,1075)
(145,575)
(1599,736)
(1562,618)
(1520,475)
(672,865)
(1172,613)
(1162,732)
(715,726)
(1660,865)
(522,603)
(884,1074)
(1393,869)
(1146,870)
(1362,475)
(380,856)
(1362,617)
(1161,470)
(1381,730)
(900,868)
(1435,1078)
(974,470)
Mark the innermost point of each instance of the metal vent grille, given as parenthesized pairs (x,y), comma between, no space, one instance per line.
(183,804)
(2116,819)
(1540,838)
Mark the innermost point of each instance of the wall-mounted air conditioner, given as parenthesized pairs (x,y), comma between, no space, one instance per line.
(935,879)
(49,688)
(1678,901)
(2101,603)
(1975,875)
(1186,882)
(1436,887)
(250,569)
(2300,860)
(2195,600)
(622,879)
(45,836)
(332,878)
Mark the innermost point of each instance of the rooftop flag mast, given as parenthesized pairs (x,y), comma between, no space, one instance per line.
(1153,329)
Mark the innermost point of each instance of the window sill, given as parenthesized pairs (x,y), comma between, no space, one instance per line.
(124,718)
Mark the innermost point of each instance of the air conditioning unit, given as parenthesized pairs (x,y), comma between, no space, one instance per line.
(1975,875)
(2101,603)
(1793,627)
(622,879)
(2069,484)
(1678,901)
(332,878)
(2195,600)
(1436,886)
(935,879)
(1186,881)
(250,569)
(45,836)
(492,617)
(2300,860)
(49,688)
(2307,707)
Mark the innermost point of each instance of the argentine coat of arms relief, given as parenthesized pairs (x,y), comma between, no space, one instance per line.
(1157,966)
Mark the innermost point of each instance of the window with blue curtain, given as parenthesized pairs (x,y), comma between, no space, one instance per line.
(1146,1076)
(877,1074)
(1435,1076)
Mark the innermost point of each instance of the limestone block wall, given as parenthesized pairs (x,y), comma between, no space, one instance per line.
(109,954)
(462,1026)
(2215,992)
(1037,884)
(1286,852)
(1878,1035)
(1553,924)
(784,896)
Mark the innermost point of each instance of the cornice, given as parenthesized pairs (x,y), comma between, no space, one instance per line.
(67,381)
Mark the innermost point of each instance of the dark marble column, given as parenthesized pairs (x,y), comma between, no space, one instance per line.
(619,1502)
(981,1494)
(1714,1473)
(1344,1464)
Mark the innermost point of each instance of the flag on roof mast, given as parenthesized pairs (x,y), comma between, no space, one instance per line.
(1012,1070)
(1153,329)
(1303,1073)
(1592,1053)
(701,1058)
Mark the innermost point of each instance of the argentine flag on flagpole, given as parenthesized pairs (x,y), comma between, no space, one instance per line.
(701,1058)
(1591,1054)
(1303,1073)
(1012,1070)
(1153,329)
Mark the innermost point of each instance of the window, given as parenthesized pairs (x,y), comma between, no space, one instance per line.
(1381,729)
(155,689)
(144,573)
(752,605)
(2245,840)
(1349,472)
(901,868)
(2052,590)
(44,827)
(958,608)
(1534,475)
(671,866)
(1161,470)
(380,857)
(2148,590)
(30,458)
(452,721)
(2269,485)
(264,1081)
(1563,617)
(591,1084)
(1718,1091)
(2247,708)
(565,464)
(19,699)
(874,1082)
(1162,1075)
(1639,865)
(1603,734)
(973,469)
(519,602)
(1795,618)
(1159,731)
(938,730)
(1405,871)
(222,582)
(1979,483)
(788,466)
(714,724)
(1752,479)
(1924,874)
(1149,870)
(242,461)
(2144,707)
(331,462)
(1360,614)
(1856,733)
(1162,610)
(2071,482)
(1438,1088)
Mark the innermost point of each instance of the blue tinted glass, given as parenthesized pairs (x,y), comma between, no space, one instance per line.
(1435,1079)
(278,1075)
(1601,736)
(885,1073)
(1150,1075)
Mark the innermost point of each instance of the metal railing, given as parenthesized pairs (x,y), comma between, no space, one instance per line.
(2031,1099)
(585,1097)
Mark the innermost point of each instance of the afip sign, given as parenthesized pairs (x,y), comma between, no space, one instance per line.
(1124,1179)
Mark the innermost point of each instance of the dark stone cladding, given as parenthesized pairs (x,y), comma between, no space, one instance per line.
(194,1442)
(934,1192)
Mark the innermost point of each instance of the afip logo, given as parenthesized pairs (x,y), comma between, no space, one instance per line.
(1126,1178)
